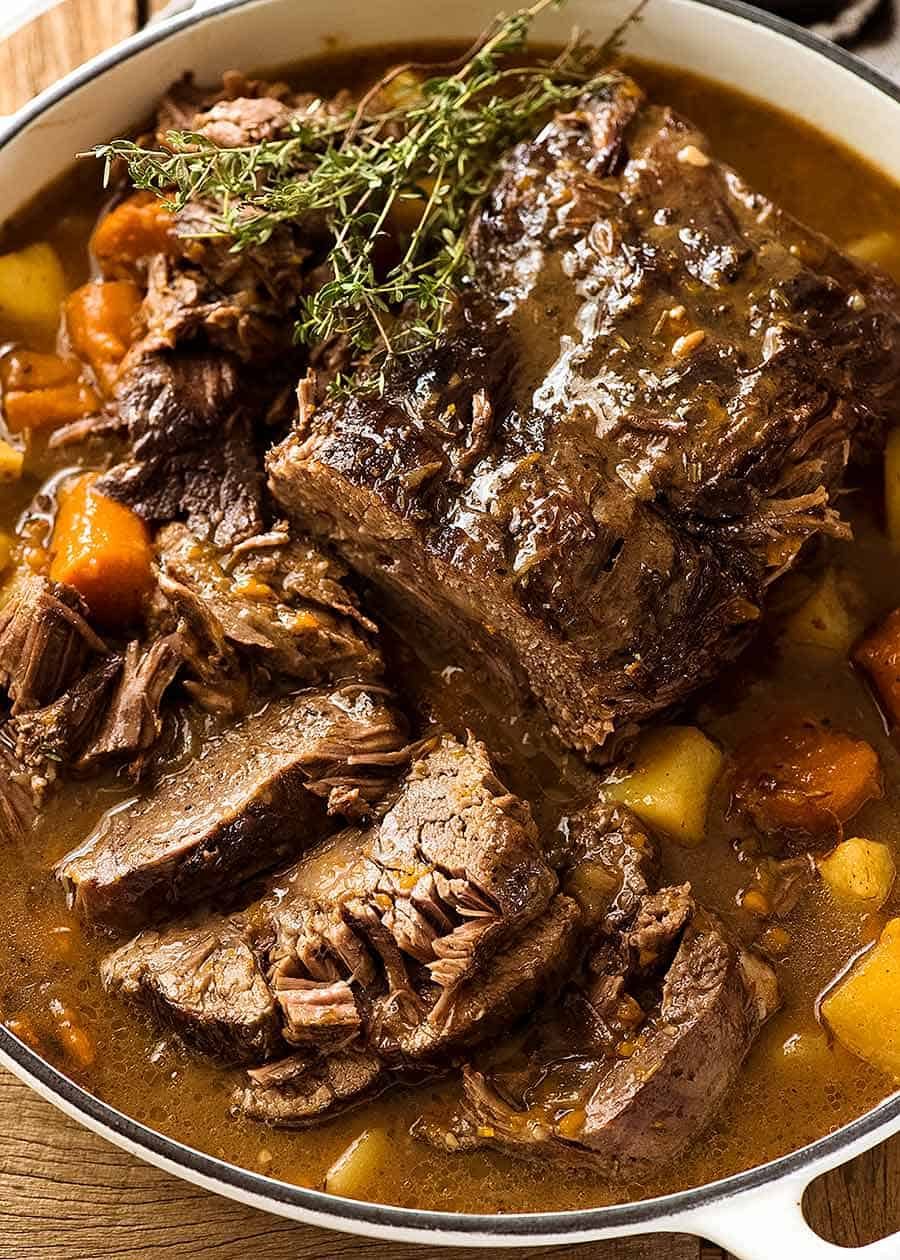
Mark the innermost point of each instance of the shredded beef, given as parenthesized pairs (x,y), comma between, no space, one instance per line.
(45,641)
(192,451)
(259,793)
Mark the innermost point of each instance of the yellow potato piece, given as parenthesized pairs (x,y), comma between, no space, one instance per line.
(32,289)
(863,1011)
(674,771)
(354,1173)
(859,873)
(11,461)
(824,620)
(403,91)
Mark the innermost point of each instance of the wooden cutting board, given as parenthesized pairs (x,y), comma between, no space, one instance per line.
(68,1195)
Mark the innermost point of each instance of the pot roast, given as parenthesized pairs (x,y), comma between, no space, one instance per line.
(637,419)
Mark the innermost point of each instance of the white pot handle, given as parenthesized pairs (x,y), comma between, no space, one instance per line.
(768,1224)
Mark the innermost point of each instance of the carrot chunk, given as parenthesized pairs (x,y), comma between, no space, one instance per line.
(102,322)
(43,391)
(878,654)
(102,549)
(135,229)
(29,369)
(804,777)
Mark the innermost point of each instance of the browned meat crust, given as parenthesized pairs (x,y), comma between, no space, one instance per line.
(642,410)
(193,455)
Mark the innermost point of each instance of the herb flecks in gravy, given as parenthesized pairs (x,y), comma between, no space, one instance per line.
(797,1081)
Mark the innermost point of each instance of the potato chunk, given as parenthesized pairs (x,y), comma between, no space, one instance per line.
(825,619)
(859,873)
(669,780)
(32,288)
(863,1010)
(804,777)
(7,544)
(878,654)
(354,1173)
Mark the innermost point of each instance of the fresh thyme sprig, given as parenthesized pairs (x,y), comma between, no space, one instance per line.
(438,151)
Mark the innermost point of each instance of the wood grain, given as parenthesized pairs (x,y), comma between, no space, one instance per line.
(54,43)
(68,1195)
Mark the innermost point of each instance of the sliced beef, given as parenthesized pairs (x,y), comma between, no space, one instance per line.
(426,902)
(192,451)
(649,1108)
(388,949)
(634,1060)
(257,794)
(474,850)
(45,641)
(170,973)
(307,1089)
(394,938)
(204,982)
(641,410)
(281,603)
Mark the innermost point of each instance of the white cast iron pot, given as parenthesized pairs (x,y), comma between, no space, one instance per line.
(756,1214)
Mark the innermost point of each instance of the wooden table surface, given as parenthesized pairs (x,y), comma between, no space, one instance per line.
(67,1194)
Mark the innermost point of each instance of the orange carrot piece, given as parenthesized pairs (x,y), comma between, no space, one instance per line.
(29,369)
(102,549)
(805,777)
(879,655)
(43,391)
(102,322)
(131,232)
